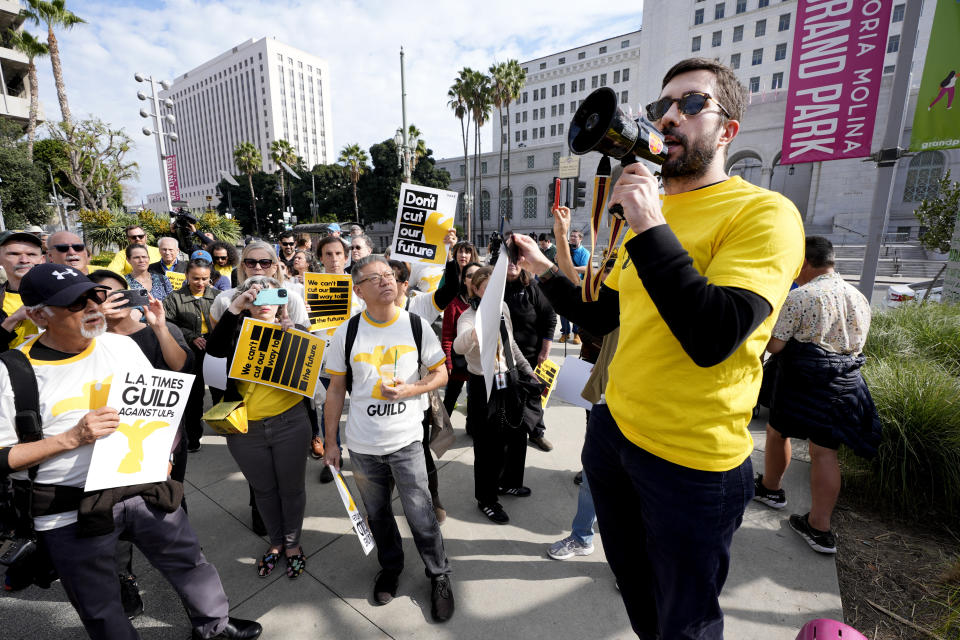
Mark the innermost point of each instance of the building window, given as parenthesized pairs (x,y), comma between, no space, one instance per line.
(530,160)
(535,113)
(524,97)
(562,88)
(553,111)
(556,158)
(573,106)
(624,44)
(741,6)
(517,136)
(735,61)
(922,175)
(581,55)
(738,33)
(784,22)
(542,131)
(715,40)
(561,108)
(898,13)
(603,79)
(463,171)
(761,28)
(583,84)
(698,17)
(777,82)
(506,164)
(543,112)
(747,168)
(695,45)
(718,11)
(560,128)
(561,61)
(530,202)
(525,115)
(483,168)
(780,52)
(755,84)
(763,3)
(543,65)
(603,50)
(616,77)
(624,97)
(757,57)
(506,203)
(518,117)
(887,70)
(573,86)
(534,133)
(593,82)
(626,75)
(484,205)
(893,44)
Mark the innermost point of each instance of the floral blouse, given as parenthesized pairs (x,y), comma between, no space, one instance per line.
(160,288)
(828,312)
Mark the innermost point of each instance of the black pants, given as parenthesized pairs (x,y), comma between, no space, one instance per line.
(451,393)
(499,451)
(193,414)
(535,430)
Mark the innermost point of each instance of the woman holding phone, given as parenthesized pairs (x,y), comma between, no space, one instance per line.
(272,455)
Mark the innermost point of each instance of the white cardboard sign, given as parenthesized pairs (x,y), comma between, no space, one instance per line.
(488,321)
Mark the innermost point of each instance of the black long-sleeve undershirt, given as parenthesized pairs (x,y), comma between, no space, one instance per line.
(709,321)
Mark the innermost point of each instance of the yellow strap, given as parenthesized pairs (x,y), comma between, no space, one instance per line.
(593,279)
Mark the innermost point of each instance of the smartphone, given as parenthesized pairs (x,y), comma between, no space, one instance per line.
(513,251)
(134,297)
(271,296)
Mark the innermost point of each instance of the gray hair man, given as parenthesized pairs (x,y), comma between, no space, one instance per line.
(66,248)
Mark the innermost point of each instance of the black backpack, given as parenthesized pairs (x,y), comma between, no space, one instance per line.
(353,325)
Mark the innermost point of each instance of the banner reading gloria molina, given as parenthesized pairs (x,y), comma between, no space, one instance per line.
(835,70)
(424,216)
(936,121)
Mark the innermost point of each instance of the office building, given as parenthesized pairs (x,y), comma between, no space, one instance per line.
(14,68)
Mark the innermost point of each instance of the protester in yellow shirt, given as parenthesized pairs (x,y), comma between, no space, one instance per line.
(135,235)
(19,252)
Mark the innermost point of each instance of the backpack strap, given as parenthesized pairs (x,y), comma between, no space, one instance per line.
(416,326)
(353,325)
(507,348)
(26,399)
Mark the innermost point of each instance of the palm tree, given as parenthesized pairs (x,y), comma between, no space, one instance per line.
(420,149)
(53,13)
(28,44)
(282,151)
(500,90)
(480,104)
(458,94)
(248,160)
(355,159)
(517,80)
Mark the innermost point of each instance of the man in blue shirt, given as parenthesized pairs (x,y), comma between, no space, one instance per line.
(581,257)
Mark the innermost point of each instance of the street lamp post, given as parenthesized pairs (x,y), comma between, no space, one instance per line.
(405,145)
(159,132)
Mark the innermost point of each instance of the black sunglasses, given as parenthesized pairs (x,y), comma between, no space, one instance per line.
(288,244)
(220,257)
(689,104)
(63,248)
(250,263)
(97,295)
(137,237)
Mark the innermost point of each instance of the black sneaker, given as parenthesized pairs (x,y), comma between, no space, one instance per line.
(578,478)
(441,599)
(773,499)
(385,587)
(494,512)
(130,596)
(517,492)
(822,541)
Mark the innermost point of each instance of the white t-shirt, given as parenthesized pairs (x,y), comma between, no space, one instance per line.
(374,425)
(68,390)
(423,305)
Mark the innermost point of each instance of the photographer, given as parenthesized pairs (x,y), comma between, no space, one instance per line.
(695,292)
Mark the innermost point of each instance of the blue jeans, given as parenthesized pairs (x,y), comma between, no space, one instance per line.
(565,326)
(586,515)
(667,531)
(375,477)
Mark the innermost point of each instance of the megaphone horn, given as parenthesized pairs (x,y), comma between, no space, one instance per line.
(600,125)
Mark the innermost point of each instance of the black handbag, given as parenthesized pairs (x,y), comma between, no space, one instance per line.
(519,403)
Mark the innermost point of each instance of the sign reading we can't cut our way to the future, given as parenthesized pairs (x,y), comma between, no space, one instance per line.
(424,216)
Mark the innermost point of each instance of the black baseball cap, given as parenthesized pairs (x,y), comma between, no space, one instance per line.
(19,236)
(55,285)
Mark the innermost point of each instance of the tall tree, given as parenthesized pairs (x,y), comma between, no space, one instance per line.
(355,159)
(54,13)
(98,161)
(481,106)
(24,187)
(282,151)
(419,149)
(380,187)
(28,44)
(458,95)
(499,90)
(517,81)
(249,161)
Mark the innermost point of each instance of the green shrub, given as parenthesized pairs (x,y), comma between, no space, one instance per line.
(929,332)
(102,259)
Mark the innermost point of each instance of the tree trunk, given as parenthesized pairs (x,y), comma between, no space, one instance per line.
(509,166)
(58,76)
(467,193)
(34,106)
(356,207)
(930,286)
(253,204)
(499,165)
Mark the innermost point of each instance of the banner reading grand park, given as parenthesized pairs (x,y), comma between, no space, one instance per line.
(835,70)
(936,120)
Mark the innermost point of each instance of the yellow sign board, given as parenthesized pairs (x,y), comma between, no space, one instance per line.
(266,354)
(547,372)
(329,299)
(176,279)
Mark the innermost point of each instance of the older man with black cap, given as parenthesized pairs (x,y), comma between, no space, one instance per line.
(19,252)
(74,361)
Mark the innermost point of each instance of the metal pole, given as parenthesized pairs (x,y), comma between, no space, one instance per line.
(3,223)
(313,194)
(161,151)
(890,149)
(56,198)
(403,107)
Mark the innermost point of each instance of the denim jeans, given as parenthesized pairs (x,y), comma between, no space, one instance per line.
(407,470)
(667,531)
(565,326)
(586,515)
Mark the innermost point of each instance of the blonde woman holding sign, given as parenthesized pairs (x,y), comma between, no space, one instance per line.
(272,455)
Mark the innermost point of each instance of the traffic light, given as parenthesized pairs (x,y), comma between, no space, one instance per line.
(580,195)
(552,187)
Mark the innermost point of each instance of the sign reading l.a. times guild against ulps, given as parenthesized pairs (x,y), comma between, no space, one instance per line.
(424,216)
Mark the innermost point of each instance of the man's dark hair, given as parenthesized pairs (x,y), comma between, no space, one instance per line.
(286,234)
(130,227)
(543,238)
(819,252)
(730,93)
(401,269)
(100,275)
(230,249)
(329,240)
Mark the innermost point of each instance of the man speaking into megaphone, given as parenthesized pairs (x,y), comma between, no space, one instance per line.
(696,293)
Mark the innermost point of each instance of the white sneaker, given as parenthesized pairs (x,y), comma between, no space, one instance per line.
(569,547)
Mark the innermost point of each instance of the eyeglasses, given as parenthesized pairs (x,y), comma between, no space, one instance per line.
(377,278)
(689,104)
(288,244)
(63,248)
(97,295)
(357,247)
(220,257)
(250,263)
(136,237)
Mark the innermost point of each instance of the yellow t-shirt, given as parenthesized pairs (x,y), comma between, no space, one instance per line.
(203,318)
(224,271)
(120,265)
(738,235)
(264,401)
(26,328)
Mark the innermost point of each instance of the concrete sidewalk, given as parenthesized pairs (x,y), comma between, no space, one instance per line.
(504,583)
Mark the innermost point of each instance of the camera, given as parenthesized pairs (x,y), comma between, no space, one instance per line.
(183,219)
(16,549)
(496,240)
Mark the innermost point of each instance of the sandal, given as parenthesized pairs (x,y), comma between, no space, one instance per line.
(267,563)
(296,565)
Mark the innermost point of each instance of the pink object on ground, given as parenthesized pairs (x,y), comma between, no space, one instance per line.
(825,629)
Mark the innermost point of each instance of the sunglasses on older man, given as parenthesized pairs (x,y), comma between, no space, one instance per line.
(99,296)
(63,248)
(689,104)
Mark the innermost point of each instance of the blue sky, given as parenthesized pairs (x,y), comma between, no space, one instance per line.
(361,41)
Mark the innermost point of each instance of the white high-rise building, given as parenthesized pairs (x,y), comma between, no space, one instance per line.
(259,91)
(14,67)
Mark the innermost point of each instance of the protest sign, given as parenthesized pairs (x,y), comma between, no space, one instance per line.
(359,526)
(176,279)
(547,372)
(214,371)
(424,216)
(571,379)
(328,298)
(266,354)
(487,324)
(150,403)
(425,277)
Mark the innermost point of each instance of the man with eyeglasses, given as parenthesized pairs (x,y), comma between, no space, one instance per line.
(19,252)
(360,247)
(169,257)
(135,235)
(384,427)
(695,293)
(73,361)
(68,249)
(288,248)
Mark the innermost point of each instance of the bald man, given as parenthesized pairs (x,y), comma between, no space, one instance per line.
(68,248)
(169,257)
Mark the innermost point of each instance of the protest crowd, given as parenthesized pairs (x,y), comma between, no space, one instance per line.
(321,347)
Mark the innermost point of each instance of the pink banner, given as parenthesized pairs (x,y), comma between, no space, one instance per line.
(172,180)
(835,70)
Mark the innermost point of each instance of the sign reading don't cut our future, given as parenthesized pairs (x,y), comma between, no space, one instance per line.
(424,216)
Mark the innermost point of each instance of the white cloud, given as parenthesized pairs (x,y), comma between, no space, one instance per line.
(361,41)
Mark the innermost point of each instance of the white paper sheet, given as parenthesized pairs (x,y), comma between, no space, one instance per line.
(571,380)
(488,321)
(215,372)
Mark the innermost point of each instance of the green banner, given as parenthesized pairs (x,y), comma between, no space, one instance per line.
(936,121)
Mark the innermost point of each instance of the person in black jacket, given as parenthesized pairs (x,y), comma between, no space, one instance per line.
(534,322)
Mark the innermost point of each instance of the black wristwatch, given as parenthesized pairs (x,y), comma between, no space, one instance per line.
(549,273)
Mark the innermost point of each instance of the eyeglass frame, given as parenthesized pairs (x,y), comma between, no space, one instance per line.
(137,236)
(70,245)
(378,277)
(652,117)
(269,263)
(98,295)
